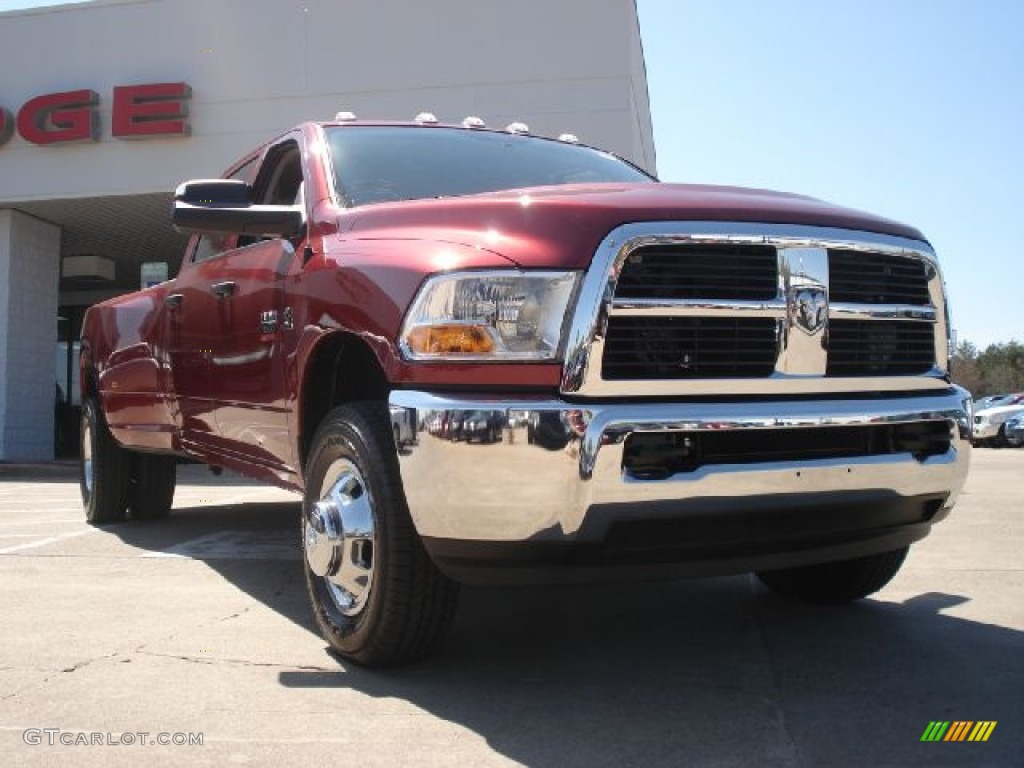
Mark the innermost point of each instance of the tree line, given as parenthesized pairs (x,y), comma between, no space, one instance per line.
(996,370)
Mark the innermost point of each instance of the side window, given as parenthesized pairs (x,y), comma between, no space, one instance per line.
(280,178)
(209,246)
(279,181)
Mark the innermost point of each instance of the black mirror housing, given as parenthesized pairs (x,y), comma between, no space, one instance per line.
(220,192)
(224,206)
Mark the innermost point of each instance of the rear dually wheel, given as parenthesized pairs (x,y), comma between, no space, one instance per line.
(105,469)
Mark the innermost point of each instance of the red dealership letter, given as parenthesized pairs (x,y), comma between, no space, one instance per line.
(58,118)
(158,109)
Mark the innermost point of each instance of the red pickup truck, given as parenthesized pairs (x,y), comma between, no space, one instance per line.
(484,356)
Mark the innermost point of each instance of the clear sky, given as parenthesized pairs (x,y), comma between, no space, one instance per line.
(913,109)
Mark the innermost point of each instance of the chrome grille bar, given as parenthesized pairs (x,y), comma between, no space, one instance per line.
(697,307)
(881,312)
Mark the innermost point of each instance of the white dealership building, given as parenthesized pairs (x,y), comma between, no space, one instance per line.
(107,105)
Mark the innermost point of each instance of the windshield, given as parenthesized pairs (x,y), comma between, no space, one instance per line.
(374,164)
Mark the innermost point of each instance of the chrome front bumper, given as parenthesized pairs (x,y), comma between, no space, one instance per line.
(552,471)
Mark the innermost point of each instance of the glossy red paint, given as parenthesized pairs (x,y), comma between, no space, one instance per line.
(246,366)
(562,226)
(133,374)
(192,368)
(154,109)
(60,118)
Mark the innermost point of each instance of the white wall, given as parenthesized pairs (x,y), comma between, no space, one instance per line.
(259,66)
(29,253)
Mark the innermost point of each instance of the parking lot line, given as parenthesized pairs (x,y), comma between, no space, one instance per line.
(41,521)
(273,544)
(44,542)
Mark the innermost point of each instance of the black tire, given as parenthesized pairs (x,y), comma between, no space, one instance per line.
(104,469)
(839,582)
(151,493)
(409,604)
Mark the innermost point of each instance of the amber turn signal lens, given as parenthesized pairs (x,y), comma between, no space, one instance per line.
(450,340)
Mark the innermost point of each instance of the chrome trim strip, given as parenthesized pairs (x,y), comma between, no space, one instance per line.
(697,308)
(533,468)
(796,373)
(845,311)
(777,384)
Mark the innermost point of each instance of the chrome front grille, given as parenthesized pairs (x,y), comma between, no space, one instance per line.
(711,308)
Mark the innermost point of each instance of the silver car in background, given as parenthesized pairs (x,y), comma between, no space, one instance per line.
(1013,429)
(990,423)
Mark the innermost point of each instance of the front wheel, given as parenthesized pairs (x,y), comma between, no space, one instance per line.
(377,597)
(839,582)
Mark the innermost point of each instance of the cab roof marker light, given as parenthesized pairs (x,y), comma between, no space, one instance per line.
(473,122)
(425,118)
(569,138)
(517,128)
(345,117)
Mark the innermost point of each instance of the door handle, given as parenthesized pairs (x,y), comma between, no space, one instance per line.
(173,300)
(223,290)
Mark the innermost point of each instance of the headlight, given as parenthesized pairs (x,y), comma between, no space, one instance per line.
(489,316)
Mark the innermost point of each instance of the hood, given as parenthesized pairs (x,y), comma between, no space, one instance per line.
(562,226)
(1004,411)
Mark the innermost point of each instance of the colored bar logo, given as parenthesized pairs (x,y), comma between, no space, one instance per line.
(958,730)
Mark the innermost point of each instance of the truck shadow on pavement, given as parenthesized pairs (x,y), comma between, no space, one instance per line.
(712,672)
(253,545)
(704,672)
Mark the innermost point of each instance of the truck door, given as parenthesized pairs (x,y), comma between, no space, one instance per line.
(253,327)
(191,308)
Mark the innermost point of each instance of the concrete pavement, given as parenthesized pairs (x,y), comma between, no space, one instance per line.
(200,625)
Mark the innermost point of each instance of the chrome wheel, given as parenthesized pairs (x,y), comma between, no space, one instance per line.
(87,472)
(377,598)
(339,537)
